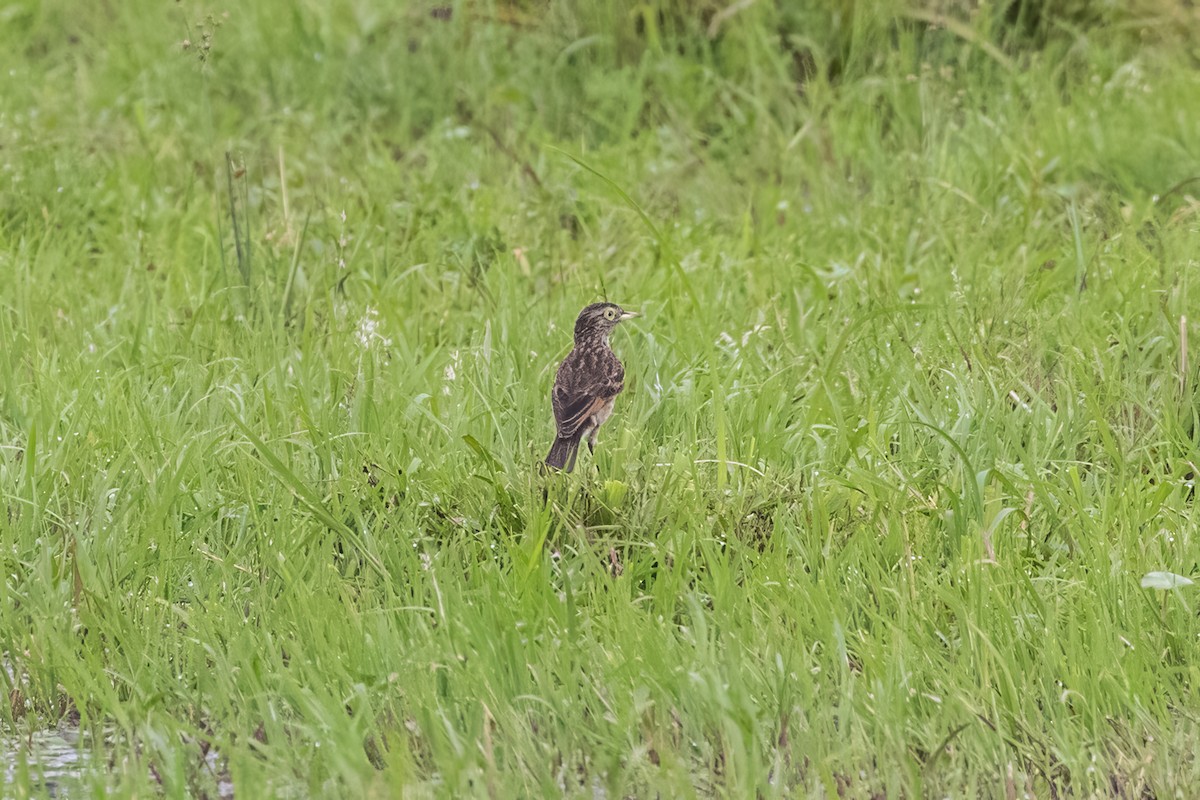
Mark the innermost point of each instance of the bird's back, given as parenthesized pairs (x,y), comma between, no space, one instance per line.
(590,371)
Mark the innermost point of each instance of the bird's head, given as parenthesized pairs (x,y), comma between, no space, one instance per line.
(598,320)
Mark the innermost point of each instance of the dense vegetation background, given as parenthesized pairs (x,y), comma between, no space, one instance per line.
(910,415)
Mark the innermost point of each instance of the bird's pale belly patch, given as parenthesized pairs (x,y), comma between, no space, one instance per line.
(603,414)
(598,419)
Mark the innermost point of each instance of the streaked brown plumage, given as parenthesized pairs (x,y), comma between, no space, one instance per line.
(588,382)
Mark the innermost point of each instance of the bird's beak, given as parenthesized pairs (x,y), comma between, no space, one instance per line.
(629,315)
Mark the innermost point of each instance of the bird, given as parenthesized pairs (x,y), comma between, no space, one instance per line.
(587,383)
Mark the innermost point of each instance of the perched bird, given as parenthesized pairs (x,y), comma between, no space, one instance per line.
(588,381)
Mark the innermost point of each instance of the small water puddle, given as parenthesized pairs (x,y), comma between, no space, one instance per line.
(58,761)
(53,760)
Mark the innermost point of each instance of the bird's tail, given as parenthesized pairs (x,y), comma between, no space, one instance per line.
(562,454)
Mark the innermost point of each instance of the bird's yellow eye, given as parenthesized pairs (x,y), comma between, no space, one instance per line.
(610,313)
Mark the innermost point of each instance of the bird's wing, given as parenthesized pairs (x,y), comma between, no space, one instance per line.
(580,393)
(577,410)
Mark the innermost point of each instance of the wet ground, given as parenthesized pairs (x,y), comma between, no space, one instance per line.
(58,761)
(52,759)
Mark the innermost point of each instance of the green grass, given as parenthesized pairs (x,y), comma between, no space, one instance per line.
(909,415)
